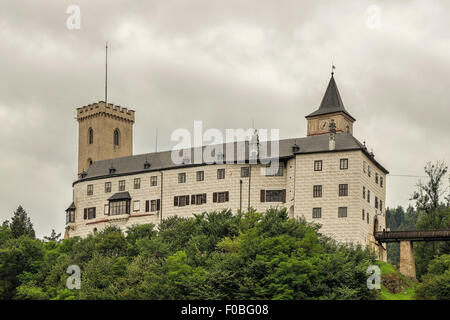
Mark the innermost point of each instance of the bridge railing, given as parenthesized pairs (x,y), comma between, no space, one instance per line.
(412,235)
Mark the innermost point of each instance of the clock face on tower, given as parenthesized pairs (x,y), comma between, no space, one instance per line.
(323,125)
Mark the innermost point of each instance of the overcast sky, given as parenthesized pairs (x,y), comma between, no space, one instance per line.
(222,62)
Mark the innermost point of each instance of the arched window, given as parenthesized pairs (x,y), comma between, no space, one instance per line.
(91,136)
(116,137)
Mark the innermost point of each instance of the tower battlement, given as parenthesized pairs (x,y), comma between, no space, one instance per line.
(101,108)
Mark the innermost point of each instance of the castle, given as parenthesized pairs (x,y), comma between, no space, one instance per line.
(328,177)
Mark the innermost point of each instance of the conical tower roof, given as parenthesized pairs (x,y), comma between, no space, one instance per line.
(331,101)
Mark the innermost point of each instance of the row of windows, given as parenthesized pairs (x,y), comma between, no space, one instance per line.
(378,203)
(317,212)
(378,178)
(116,208)
(198,199)
(317,190)
(116,136)
(343,164)
(200,176)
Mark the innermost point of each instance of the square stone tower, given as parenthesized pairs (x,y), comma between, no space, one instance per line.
(105,132)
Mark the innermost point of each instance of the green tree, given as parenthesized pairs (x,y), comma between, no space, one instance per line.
(21,224)
(436,283)
(53,236)
(433,214)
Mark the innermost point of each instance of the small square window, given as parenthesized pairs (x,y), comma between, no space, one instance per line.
(122,185)
(318,165)
(343,190)
(136,205)
(153,181)
(220,173)
(107,187)
(200,175)
(317,191)
(342,212)
(182,177)
(317,213)
(137,183)
(245,172)
(153,205)
(344,164)
(90,189)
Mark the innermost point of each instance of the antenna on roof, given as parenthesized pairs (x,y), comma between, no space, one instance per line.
(106,73)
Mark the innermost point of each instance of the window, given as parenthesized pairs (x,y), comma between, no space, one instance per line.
(91,136)
(90,189)
(368,171)
(220,173)
(106,209)
(381,181)
(89,213)
(181,201)
(376,202)
(364,192)
(245,172)
(367,216)
(381,206)
(317,213)
(155,205)
(182,177)
(376,178)
(342,212)
(70,216)
(119,207)
(137,183)
(317,191)
(122,185)
(116,137)
(274,195)
(272,172)
(364,166)
(368,196)
(200,175)
(343,190)
(153,181)
(363,214)
(344,164)
(198,198)
(107,187)
(221,196)
(136,205)
(318,165)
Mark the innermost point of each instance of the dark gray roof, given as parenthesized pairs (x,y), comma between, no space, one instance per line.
(163,161)
(71,207)
(120,196)
(331,101)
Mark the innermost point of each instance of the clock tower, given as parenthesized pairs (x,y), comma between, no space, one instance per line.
(331,110)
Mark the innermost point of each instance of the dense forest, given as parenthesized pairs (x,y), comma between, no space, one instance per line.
(218,255)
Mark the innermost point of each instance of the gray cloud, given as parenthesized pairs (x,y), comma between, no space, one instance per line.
(221,62)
